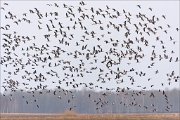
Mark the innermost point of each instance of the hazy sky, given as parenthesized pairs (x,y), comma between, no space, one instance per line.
(168,8)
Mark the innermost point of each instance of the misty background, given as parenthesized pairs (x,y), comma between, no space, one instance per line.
(111,103)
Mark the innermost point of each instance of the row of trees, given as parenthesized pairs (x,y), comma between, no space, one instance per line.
(90,102)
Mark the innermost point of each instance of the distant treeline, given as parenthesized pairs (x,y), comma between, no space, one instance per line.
(90,102)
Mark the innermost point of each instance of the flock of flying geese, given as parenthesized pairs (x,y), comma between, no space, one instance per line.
(82,41)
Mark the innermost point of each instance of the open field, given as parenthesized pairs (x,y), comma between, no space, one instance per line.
(73,116)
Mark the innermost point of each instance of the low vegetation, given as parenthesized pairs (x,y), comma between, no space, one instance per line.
(74,116)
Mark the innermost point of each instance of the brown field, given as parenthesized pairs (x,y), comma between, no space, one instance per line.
(74,116)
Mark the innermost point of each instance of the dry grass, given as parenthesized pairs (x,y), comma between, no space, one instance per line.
(74,116)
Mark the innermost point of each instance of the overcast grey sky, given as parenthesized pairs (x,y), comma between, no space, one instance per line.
(168,8)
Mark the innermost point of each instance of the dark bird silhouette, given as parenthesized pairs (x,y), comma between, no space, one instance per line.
(139,6)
